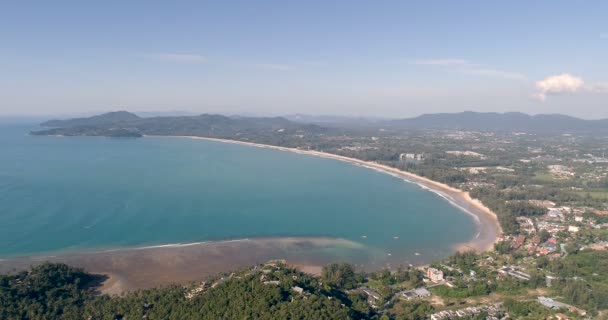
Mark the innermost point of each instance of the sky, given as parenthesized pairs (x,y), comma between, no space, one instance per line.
(355,58)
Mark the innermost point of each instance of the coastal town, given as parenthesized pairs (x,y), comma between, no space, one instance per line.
(542,204)
(550,194)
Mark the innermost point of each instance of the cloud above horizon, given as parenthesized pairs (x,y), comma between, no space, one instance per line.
(558,84)
(467,67)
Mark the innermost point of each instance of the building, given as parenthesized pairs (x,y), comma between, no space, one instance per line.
(518,241)
(552,304)
(434,274)
(556,305)
(411,157)
(512,271)
(573,229)
(416,293)
(372,297)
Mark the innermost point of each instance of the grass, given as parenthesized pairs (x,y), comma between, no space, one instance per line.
(544,177)
(595,194)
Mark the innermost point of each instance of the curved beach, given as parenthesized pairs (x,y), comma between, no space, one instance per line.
(487,225)
(146,267)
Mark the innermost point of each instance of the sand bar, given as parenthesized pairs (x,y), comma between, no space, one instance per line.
(131,269)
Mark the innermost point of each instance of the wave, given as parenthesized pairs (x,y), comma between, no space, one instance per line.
(176,245)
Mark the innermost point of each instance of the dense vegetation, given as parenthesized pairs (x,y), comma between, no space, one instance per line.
(56,291)
(510,172)
(583,280)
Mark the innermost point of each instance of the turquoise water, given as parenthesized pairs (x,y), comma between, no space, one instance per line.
(93,193)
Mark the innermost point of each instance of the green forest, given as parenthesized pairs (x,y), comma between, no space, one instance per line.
(57,291)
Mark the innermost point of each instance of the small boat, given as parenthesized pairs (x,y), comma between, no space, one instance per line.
(389,254)
(396,237)
(364,237)
(416,253)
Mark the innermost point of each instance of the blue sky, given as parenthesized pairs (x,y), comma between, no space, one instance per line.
(382,58)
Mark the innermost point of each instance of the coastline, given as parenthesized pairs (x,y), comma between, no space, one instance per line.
(131,269)
(487,225)
(128,269)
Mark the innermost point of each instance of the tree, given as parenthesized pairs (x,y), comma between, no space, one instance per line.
(340,275)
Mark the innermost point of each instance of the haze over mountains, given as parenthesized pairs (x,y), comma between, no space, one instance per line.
(126,123)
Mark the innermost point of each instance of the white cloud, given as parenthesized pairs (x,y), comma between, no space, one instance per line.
(558,84)
(178,57)
(468,67)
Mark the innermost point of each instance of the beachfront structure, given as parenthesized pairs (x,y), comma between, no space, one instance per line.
(411,157)
(434,274)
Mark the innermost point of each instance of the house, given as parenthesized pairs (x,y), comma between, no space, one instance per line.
(297,290)
(372,297)
(416,293)
(518,241)
(552,304)
(434,274)
(512,271)
(411,158)
(561,316)
(573,229)
(599,246)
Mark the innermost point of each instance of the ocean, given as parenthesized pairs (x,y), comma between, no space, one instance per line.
(73,194)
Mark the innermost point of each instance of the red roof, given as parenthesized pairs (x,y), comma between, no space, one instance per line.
(601,213)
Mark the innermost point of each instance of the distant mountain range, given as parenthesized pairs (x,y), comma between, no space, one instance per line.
(469,120)
(510,121)
(124,123)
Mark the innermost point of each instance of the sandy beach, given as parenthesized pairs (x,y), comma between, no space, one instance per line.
(488,227)
(131,269)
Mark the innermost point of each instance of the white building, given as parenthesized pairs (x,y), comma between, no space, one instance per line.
(434,274)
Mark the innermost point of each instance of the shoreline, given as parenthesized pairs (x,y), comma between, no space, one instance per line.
(487,225)
(135,268)
(132,269)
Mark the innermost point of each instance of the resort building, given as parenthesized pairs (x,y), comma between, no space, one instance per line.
(434,274)
(414,158)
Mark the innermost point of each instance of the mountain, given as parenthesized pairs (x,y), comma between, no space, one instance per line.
(336,121)
(123,123)
(106,118)
(493,121)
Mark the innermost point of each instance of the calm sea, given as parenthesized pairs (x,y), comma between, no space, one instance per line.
(92,193)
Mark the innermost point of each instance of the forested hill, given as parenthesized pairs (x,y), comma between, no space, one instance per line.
(57,291)
(123,123)
(510,121)
(103,119)
(274,130)
(468,121)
